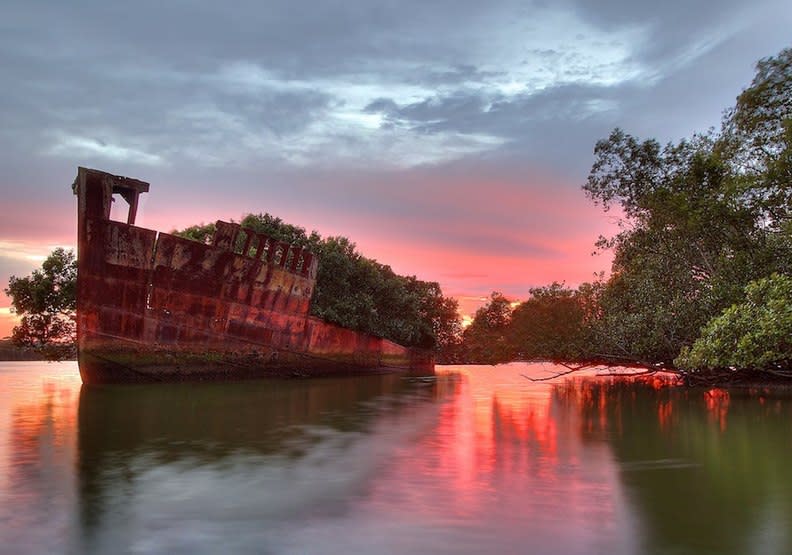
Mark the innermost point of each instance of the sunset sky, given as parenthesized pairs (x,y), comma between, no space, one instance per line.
(448,139)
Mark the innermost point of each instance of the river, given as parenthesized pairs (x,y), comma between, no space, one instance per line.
(478,460)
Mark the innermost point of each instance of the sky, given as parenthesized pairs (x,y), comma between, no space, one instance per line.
(449,139)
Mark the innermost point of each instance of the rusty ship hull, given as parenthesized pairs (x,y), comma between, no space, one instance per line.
(153,306)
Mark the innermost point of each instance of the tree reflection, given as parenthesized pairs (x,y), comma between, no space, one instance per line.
(480,458)
(126,430)
(706,469)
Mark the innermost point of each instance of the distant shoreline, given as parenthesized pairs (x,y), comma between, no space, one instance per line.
(733,379)
(11,353)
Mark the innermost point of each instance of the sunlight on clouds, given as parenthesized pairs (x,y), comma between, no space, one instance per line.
(71,146)
(28,252)
(361,119)
(342,134)
(253,110)
(468,305)
(550,47)
(334,140)
(529,55)
(354,91)
(547,49)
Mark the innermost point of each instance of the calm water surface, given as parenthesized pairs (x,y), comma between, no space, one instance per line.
(479,460)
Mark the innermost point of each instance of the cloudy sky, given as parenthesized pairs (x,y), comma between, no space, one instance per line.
(447,138)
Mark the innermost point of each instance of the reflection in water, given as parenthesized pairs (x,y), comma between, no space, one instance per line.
(37,453)
(240,455)
(478,459)
(706,470)
(505,470)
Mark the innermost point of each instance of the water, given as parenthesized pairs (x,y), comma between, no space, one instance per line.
(479,460)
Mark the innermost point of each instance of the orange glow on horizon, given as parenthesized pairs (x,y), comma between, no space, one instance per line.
(471,234)
(40,425)
(7,318)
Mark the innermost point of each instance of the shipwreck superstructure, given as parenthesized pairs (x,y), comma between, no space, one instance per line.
(153,306)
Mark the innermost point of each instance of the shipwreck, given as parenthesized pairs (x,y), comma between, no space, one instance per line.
(153,306)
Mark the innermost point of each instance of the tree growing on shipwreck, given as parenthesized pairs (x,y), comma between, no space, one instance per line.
(352,291)
(360,293)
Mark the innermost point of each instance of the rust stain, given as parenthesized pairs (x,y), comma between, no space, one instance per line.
(153,306)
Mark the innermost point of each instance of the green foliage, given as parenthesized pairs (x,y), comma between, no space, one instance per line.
(279,230)
(443,312)
(10,351)
(46,302)
(486,340)
(755,334)
(759,133)
(554,323)
(202,233)
(700,219)
(360,293)
(763,112)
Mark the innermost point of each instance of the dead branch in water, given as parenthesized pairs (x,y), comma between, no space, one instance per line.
(572,370)
(649,369)
(713,378)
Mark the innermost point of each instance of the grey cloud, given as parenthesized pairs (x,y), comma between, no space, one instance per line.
(611,14)
(534,124)
(147,76)
(441,113)
(297,37)
(455,75)
(674,30)
(135,68)
(382,105)
(167,113)
(283,113)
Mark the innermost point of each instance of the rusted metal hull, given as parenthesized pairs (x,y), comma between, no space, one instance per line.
(157,307)
(131,363)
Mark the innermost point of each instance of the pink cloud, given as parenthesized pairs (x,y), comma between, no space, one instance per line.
(471,233)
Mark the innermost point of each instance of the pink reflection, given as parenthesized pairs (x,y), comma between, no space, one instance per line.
(37,445)
(515,453)
(717,402)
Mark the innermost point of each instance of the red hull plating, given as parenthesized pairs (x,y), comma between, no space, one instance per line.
(157,307)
